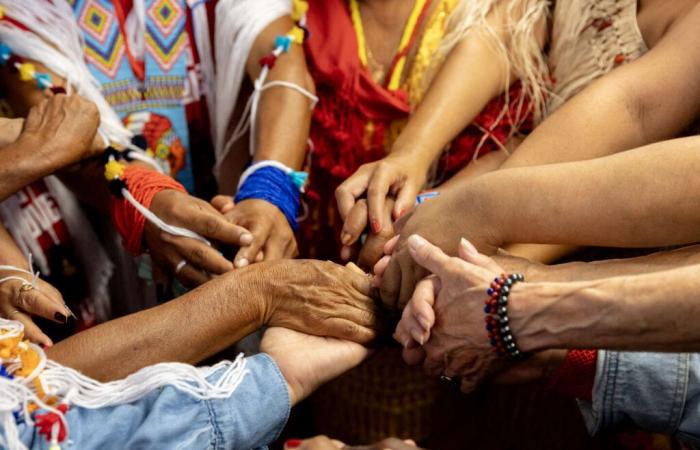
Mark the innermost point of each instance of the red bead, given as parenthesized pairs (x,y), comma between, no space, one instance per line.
(268,61)
(619,59)
(57,89)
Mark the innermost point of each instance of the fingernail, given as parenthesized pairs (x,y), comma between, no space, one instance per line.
(423,322)
(345,253)
(70,313)
(415,242)
(242,263)
(376,226)
(468,247)
(345,238)
(417,335)
(246,239)
(60,318)
(292,443)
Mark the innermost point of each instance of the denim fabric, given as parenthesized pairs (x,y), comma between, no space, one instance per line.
(169,419)
(658,392)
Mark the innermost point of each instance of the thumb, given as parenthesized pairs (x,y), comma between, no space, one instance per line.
(426,254)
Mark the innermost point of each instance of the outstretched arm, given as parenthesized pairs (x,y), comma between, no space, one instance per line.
(322,298)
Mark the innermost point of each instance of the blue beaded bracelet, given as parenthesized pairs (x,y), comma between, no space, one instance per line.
(273,185)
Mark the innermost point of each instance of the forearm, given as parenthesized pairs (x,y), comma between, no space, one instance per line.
(189,329)
(651,312)
(456,96)
(622,200)
(594,270)
(284,115)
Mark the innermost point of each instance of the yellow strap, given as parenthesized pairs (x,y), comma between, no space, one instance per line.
(359,31)
(395,80)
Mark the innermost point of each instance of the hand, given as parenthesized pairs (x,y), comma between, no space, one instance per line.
(442,221)
(43,300)
(66,126)
(308,361)
(202,261)
(320,298)
(324,443)
(273,238)
(456,343)
(356,224)
(400,175)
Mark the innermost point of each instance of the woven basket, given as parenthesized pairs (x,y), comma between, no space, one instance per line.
(379,398)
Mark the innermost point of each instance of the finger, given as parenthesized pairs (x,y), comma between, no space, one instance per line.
(427,255)
(31,330)
(404,202)
(349,253)
(191,276)
(348,330)
(377,192)
(390,246)
(350,190)
(402,334)
(223,203)
(413,356)
(355,223)
(247,253)
(315,443)
(260,257)
(206,221)
(35,302)
(381,266)
(411,274)
(391,284)
(352,266)
(199,254)
(468,385)
(276,247)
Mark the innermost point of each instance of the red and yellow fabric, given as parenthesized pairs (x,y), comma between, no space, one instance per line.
(358,118)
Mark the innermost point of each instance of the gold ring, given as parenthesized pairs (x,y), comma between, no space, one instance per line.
(26,287)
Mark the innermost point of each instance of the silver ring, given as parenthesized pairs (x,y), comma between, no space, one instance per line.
(452,382)
(179,266)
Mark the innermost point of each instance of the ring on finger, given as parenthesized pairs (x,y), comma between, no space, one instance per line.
(26,287)
(452,382)
(180,266)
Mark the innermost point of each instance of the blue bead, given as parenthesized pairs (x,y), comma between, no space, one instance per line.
(487,309)
(489,292)
(43,80)
(5,53)
(489,327)
(284,42)
(494,342)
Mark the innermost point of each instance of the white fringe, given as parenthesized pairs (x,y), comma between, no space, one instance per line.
(78,390)
(238,24)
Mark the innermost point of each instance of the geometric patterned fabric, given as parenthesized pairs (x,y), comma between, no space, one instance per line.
(167,50)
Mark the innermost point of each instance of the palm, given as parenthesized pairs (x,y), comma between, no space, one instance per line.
(308,361)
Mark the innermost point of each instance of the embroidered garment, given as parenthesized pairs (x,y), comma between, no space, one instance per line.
(589,39)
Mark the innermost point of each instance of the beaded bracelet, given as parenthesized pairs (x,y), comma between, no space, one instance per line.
(497,322)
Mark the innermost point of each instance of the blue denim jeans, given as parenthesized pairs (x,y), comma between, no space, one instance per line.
(169,419)
(658,392)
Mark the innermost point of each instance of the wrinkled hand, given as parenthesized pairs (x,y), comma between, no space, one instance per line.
(43,301)
(442,221)
(66,126)
(308,361)
(399,175)
(273,238)
(446,313)
(180,209)
(320,298)
(324,443)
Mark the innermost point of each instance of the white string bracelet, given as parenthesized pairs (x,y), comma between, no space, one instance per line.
(297,177)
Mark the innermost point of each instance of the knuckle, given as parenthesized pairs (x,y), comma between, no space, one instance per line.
(212,226)
(197,255)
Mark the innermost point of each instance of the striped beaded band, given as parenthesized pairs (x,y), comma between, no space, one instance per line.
(497,322)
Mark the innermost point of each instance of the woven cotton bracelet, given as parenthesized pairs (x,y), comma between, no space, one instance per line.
(275,183)
(497,321)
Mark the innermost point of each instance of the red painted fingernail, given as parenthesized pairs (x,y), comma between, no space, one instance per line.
(293,443)
(376,227)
